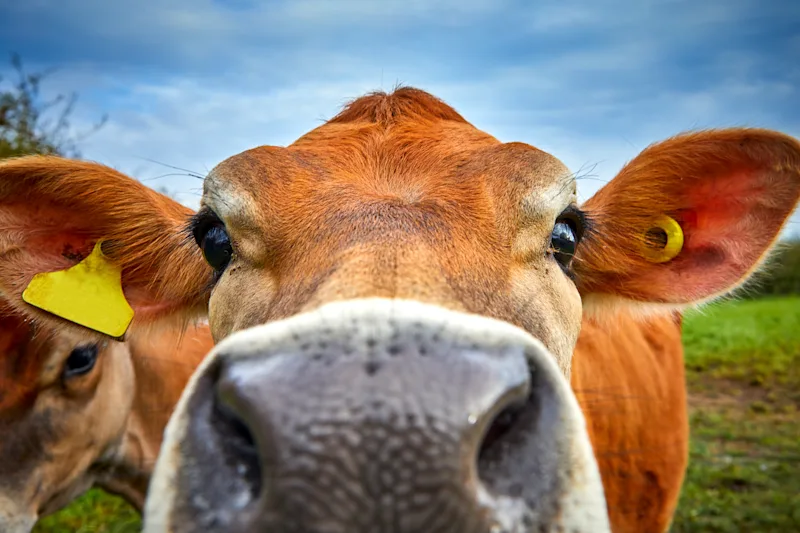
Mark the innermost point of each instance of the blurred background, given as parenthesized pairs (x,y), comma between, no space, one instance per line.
(164,89)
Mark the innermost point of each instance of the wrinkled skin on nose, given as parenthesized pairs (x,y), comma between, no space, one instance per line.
(378,415)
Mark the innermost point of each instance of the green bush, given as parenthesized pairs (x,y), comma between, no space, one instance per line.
(30,125)
(781,275)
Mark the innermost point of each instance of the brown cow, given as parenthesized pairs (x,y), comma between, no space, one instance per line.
(75,412)
(398,307)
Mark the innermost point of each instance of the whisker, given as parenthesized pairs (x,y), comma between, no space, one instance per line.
(191,173)
(581,174)
(170,174)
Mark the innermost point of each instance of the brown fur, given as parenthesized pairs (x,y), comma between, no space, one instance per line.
(398,196)
(629,380)
(162,365)
(18,393)
(380,108)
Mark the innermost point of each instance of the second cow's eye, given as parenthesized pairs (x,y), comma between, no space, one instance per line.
(81,361)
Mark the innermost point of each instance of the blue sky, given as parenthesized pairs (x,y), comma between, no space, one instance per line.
(191,82)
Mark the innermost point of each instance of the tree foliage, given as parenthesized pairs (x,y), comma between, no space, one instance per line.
(31,125)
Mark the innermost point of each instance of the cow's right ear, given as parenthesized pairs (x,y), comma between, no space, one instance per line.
(53,211)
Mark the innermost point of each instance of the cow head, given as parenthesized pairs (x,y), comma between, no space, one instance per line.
(78,409)
(64,403)
(397,295)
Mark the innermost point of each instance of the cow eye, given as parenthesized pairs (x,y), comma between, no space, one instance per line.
(565,236)
(213,239)
(563,242)
(216,246)
(81,361)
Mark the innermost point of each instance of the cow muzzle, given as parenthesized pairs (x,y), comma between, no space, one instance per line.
(13,519)
(377,416)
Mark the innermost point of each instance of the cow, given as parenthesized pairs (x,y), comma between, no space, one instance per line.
(77,411)
(406,311)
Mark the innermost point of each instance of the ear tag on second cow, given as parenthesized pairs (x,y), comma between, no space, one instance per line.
(89,294)
(663,241)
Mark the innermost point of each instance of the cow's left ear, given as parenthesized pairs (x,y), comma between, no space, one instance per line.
(74,234)
(689,218)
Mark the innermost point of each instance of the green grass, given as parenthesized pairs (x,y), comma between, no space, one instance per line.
(743,373)
(94,512)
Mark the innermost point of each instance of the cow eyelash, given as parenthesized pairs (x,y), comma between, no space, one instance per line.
(201,222)
(577,217)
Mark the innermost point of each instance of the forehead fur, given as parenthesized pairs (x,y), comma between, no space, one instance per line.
(404,102)
(407,143)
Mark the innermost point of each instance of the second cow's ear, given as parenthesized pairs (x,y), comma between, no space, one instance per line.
(689,218)
(53,213)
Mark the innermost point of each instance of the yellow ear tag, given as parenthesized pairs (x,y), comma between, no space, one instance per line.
(663,241)
(89,294)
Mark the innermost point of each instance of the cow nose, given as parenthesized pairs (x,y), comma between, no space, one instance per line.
(381,422)
(378,417)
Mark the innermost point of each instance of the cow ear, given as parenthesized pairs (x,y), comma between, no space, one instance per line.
(53,213)
(688,219)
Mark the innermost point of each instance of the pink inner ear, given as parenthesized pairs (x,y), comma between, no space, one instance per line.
(41,237)
(731,221)
(47,236)
(57,251)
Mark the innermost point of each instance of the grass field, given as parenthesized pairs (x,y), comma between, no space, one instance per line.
(94,512)
(743,372)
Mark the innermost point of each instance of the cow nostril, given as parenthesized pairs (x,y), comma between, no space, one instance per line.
(237,445)
(502,424)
